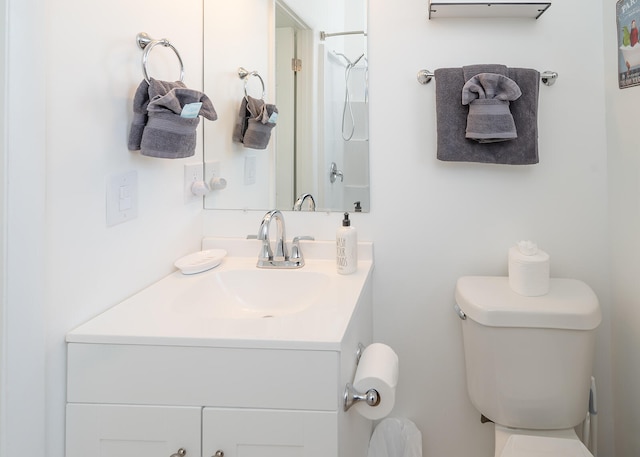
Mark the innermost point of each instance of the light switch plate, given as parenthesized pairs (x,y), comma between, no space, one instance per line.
(250,170)
(122,198)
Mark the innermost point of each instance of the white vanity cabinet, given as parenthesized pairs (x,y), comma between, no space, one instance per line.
(137,400)
(158,376)
(156,431)
(132,431)
(268,433)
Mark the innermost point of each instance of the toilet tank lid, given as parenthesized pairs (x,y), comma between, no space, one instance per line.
(489,300)
(524,445)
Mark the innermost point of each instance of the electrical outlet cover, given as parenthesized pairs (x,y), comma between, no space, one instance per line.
(192,173)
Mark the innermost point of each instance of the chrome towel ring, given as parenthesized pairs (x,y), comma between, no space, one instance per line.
(147,43)
(244,74)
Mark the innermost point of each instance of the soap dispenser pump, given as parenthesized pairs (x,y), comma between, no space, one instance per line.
(346,247)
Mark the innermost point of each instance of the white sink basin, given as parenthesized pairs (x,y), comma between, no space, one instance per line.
(238,305)
(252,293)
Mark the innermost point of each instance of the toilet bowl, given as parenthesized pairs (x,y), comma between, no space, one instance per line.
(529,362)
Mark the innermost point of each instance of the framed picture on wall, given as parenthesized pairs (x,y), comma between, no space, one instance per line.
(628,21)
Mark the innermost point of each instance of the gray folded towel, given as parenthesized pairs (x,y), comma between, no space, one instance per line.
(489,119)
(248,106)
(171,128)
(158,87)
(140,102)
(144,93)
(452,144)
(470,71)
(254,123)
(241,122)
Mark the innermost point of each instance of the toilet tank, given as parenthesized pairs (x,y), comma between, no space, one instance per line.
(528,360)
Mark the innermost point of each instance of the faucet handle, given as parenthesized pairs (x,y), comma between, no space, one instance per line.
(296,253)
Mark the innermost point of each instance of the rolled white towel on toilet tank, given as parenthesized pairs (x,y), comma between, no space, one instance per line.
(528,269)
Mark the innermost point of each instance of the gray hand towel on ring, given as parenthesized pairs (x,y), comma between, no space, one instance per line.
(254,123)
(144,93)
(173,118)
(260,125)
(248,106)
(140,102)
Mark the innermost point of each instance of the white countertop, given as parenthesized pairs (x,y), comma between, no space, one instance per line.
(166,314)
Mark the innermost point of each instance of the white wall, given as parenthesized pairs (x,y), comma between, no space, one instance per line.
(437,221)
(224,56)
(3,239)
(624,204)
(72,77)
(22,364)
(432,222)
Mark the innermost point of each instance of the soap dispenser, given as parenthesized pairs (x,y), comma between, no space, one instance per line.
(346,247)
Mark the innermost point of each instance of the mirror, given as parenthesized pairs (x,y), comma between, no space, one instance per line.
(309,57)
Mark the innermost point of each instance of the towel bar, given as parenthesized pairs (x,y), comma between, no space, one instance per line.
(147,43)
(548,78)
(325,35)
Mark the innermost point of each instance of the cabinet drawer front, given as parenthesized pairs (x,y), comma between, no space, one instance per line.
(132,431)
(269,433)
(194,376)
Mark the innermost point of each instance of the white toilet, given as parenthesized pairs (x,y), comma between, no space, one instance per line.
(529,361)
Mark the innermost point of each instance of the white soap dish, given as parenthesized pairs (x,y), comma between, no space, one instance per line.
(200,261)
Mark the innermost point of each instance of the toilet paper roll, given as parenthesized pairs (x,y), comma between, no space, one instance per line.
(528,272)
(377,369)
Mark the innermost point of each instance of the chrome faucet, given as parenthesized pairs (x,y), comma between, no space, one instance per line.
(280,259)
(298,204)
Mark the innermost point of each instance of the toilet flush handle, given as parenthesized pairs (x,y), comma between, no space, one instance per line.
(461,313)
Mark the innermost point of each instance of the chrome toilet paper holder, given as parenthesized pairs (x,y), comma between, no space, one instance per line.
(352,396)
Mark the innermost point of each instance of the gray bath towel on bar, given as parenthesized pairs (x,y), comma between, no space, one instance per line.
(451,114)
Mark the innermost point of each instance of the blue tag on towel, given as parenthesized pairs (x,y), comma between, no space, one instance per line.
(273,118)
(191,110)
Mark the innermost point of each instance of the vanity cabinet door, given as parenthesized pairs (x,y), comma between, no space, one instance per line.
(269,433)
(132,431)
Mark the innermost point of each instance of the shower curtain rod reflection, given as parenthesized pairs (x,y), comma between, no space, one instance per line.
(324,35)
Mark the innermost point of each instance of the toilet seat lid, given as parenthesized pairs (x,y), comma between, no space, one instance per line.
(543,446)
